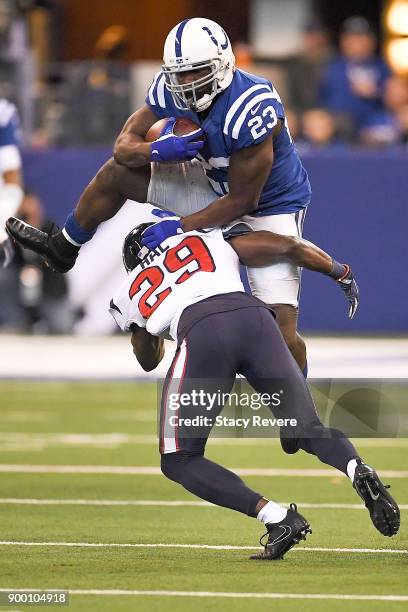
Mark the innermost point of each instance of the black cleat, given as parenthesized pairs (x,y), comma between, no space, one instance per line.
(383,509)
(58,253)
(349,286)
(283,535)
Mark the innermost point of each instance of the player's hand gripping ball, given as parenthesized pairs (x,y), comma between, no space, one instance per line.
(174,140)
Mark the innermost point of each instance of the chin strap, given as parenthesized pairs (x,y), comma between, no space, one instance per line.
(204,102)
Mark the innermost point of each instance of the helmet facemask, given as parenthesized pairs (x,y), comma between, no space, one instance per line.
(132,251)
(188,95)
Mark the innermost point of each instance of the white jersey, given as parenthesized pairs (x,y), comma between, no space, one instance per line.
(185,269)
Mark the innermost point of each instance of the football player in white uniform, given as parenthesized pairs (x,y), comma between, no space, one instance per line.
(189,288)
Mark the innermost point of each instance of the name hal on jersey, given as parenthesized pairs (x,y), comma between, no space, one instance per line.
(150,257)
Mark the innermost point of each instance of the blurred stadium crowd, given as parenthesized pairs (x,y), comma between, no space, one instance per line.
(345,95)
(337,89)
(340,95)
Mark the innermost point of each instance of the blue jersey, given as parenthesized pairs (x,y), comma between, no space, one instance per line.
(9,124)
(241,116)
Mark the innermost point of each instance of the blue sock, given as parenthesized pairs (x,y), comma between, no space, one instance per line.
(305,370)
(74,233)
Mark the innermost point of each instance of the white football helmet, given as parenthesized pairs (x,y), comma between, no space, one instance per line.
(195,44)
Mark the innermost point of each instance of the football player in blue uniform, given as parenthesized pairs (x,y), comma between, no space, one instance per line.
(254,172)
(248,154)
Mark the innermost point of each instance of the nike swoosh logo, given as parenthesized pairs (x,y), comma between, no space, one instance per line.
(255,110)
(373,496)
(113,306)
(286,532)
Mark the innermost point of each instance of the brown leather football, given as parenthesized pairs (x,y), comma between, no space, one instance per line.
(181,128)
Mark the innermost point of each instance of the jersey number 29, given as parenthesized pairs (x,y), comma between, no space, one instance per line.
(191,249)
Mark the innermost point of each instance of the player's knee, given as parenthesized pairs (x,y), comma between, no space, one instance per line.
(292,339)
(172,465)
(292,343)
(289,440)
(287,326)
(286,318)
(295,344)
(332,432)
(300,345)
(318,430)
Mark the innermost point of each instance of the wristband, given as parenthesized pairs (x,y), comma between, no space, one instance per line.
(74,233)
(338,270)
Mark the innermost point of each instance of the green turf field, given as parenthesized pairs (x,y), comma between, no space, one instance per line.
(89,430)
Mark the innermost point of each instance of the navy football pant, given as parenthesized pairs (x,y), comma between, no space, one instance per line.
(245,341)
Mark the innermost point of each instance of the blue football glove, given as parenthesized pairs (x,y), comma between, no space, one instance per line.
(348,284)
(171,148)
(163,213)
(154,235)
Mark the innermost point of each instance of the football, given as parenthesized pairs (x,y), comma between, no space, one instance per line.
(181,128)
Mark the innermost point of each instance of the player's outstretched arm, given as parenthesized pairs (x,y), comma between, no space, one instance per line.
(149,349)
(262,248)
(257,249)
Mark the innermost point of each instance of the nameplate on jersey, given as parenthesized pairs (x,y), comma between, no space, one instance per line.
(151,255)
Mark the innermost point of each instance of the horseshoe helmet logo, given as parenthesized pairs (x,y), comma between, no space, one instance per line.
(223,45)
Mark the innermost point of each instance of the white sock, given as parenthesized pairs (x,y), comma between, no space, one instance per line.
(272,513)
(351,468)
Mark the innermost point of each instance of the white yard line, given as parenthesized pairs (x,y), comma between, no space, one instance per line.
(23,447)
(146,416)
(21,439)
(76,439)
(389,551)
(155,471)
(159,502)
(234,595)
(105,502)
(20,416)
